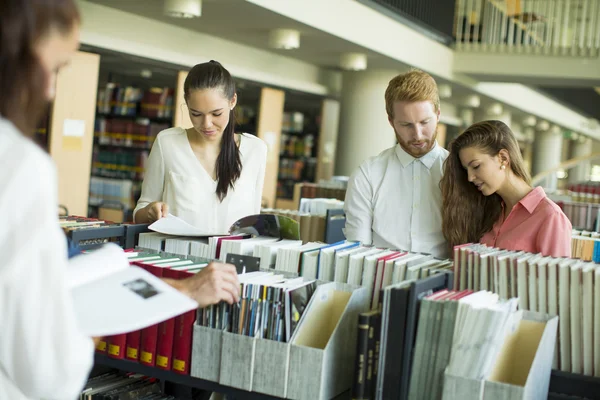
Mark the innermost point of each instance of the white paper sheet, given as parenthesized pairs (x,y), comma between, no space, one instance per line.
(110,297)
(126,301)
(172,225)
(102,262)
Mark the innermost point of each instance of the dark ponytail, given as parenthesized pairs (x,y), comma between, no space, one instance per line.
(212,75)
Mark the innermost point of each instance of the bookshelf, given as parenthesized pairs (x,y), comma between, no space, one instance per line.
(135,100)
(307,144)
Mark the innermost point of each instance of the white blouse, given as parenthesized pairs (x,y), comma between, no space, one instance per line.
(43,354)
(174,175)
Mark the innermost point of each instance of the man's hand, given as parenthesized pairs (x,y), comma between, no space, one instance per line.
(214,283)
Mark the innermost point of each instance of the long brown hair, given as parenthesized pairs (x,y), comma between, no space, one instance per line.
(212,75)
(466,213)
(23,23)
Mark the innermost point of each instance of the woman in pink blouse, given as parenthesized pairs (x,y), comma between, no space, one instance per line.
(487,196)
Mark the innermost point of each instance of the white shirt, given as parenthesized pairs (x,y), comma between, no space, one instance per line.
(174,175)
(394,201)
(42,352)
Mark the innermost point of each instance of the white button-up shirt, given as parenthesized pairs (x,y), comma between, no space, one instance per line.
(394,201)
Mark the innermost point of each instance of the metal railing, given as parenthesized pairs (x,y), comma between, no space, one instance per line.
(548,27)
(432,18)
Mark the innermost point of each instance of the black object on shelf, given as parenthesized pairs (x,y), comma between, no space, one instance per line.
(185,380)
(132,234)
(334,225)
(570,386)
(90,238)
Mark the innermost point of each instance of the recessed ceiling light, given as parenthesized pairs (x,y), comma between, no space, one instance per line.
(353,61)
(183,8)
(285,39)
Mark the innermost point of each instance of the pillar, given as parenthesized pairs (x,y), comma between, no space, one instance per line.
(494,111)
(547,151)
(364,127)
(581,147)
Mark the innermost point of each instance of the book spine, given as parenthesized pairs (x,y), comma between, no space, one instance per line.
(166,331)
(102,346)
(132,352)
(148,342)
(149,336)
(182,342)
(360,364)
(164,348)
(116,346)
(183,333)
(376,320)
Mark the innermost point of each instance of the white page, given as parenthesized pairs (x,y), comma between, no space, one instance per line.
(125,301)
(172,225)
(97,264)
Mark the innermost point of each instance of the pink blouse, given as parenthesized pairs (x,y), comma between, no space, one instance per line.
(535,225)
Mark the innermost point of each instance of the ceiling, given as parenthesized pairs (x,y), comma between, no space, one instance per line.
(243,22)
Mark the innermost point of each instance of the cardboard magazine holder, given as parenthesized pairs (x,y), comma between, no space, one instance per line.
(317,363)
(522,369)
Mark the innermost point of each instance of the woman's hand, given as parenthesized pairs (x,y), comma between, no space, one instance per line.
(156,210)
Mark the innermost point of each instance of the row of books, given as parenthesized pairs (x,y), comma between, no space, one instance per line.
(270,307)
(583,216)
(343,262)
(319,206)
(132,101)
(166,345)
(569,288)
(119,163)
(585,192)
(333,190)
(113,191)
(585,245)
(428,342)
(119,386)
(139,133)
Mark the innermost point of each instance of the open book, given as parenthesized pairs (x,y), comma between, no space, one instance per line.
(111,297)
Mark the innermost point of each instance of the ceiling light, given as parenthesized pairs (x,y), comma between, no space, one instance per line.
(530,120)
(543,125)
(445,91)
(556,130)
(183,8)
(285,39)
(472,101)
(146,73)
(353,61)
(495,109)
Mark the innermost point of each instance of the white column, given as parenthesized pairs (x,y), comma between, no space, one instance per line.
(547,151)
(580,148)
(494,111)
(364,127)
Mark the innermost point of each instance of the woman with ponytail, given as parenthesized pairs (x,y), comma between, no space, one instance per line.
(487,196)
(207,175)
